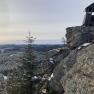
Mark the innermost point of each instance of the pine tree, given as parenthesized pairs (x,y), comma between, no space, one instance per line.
(29,57)
(19,81)
(28,66)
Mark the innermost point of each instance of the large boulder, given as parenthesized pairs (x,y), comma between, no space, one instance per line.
(64,67)
(77,39)
(80,79)
(79,35)
(60,70)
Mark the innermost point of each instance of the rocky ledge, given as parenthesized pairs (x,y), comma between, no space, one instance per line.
(79,35)
(74,74)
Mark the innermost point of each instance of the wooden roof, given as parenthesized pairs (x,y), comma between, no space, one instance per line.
(90,8)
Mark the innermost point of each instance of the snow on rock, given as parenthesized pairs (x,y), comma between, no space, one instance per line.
(34,78)
(83,45)
(57,50)
(51,60)
(51,77)
(13,55)
(79,47)
(44,91)
(86,44)
(5,77)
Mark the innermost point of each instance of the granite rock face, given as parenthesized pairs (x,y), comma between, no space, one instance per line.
(79,35)
(80,79)
(76,36)
(74,74)
(60,71)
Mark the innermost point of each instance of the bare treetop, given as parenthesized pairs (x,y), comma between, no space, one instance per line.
(30,38)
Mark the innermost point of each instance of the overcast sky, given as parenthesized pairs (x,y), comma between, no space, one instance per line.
(46,19)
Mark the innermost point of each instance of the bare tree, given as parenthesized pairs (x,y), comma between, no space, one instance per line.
(64,41)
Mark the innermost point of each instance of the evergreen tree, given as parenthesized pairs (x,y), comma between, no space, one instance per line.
(20,79)
(28,66)
(29,57)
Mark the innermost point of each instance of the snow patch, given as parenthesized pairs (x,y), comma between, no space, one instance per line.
(86,44)
(34,78)
(79,47)
(12,55)
(5,77)
(44,91)
(57,50)
(51,77)
(51,60)
(83,45)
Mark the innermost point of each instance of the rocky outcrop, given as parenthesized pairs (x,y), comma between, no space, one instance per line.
(57,54)
(80,79)
(64,51)
(80,40)
(79,35)
(53,58)
(60,70)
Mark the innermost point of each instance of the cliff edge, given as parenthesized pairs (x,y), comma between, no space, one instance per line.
(74,74)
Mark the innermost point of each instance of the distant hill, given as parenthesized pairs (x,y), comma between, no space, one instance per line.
(48,42)
(21,47)
(51,42)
